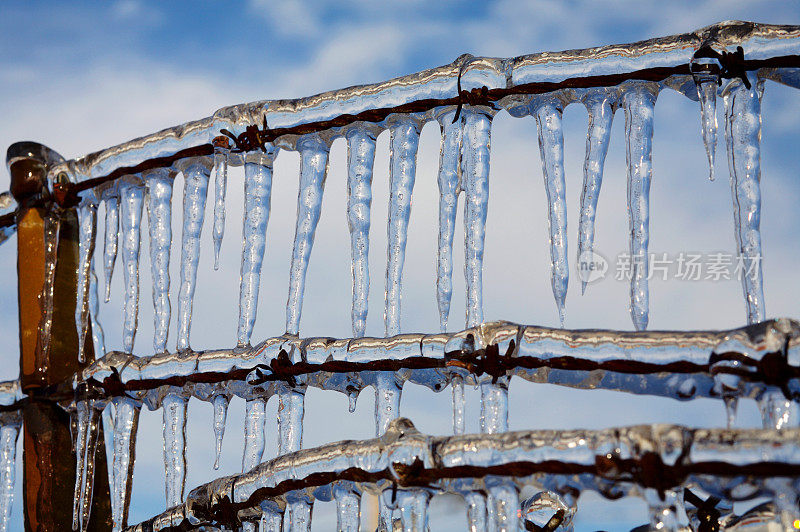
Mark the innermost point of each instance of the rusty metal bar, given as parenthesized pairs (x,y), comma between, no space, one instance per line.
(48,344)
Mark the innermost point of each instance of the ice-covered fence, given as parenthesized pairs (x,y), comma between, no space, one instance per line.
(732,60)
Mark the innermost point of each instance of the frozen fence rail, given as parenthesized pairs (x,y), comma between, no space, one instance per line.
(731,59)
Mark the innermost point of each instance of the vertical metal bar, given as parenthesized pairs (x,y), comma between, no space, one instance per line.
(49,470)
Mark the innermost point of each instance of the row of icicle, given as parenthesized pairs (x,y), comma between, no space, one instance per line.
(464,166)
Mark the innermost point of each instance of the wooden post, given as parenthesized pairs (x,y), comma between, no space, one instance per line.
(48,460)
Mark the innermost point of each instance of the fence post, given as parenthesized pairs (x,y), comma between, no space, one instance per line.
(48,460)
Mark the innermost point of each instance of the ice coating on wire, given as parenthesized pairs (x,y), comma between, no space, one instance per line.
(639,103)
(402,173)
(449,179)
(743,139)
(599,105)
(257,203)
(196,174)
(313,171)
(159,210)
(551,148)
(360,161)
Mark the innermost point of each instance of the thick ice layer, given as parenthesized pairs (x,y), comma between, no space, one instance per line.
(87,223)
(110,242)
(613,462)
(402,173)
(313,171)
(639,102)
(126,422)
(9,432)
(174,406)
(475,156)
(707,94)
(680,365)
(600,106)
(449,189)
(758,40)
(290,419)
(131,201)
(551,149)
(159,211)
(775,410)
(254,437)
(220,404)
(220,191)
(360,161)
(743,139)
(196,173)
(257,203)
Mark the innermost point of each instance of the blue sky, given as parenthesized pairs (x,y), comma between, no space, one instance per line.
(88,75)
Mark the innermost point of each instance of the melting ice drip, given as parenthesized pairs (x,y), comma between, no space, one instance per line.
(464,167)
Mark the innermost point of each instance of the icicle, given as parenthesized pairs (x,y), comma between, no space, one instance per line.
(476,511)
(639,103)
(110,243)
(387,400)
(459,422)
(94,314)
(743,138)
(270,522)
(87,223)
(360,159)
(125,425)
(220,404)
(9,432)
(348,509)
(601,114)
(551,148)
(476,140)
(88,418)
(196,174)
(313,170)
(403,169)
(131,198)
(663,510)
(255,413)
(707,93)
(775,409)
(52,227)
(290,419)
(297,517)
(220,190)
(413,510)
(159,210)
(174,447)
(494,407)
(449,188)
(81,444)
(257,200)
(107,418)
(503,508)
(352,397)
(731,405)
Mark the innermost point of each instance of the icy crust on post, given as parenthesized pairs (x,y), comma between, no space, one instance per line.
(680,365)
(760,41)
(731,464)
